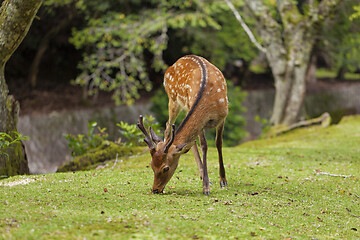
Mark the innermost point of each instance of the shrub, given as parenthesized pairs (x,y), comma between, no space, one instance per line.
(6,141)
(235,122)
(132,134)
(81,144)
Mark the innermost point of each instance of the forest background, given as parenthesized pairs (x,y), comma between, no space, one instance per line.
(125,47)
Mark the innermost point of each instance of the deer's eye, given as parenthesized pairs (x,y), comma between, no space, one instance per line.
(165,169)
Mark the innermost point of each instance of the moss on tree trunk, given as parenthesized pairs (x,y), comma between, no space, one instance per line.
(16,17)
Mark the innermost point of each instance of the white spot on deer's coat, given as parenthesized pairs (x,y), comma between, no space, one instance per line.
(219,90)
(172,90)
(221,100)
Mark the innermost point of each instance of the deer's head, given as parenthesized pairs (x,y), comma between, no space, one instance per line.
(165,156)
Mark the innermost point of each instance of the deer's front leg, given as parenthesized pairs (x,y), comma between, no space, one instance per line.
(206,181)
(174,110)
(195,151)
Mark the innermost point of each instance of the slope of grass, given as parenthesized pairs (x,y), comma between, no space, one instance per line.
(278,188)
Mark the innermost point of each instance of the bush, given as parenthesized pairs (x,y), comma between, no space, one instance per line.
(132,134)
(81,144)
(6,141)
(234,125)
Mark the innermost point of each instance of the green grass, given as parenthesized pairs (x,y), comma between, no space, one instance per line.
(276,191)
(326,73)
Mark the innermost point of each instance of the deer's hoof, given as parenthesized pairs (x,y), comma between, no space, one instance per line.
(223,183)
(206,192)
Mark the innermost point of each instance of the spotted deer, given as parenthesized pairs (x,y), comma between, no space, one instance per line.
(195,85)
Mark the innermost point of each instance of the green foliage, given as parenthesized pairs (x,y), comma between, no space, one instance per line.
(356,14)
(133,135)
(341,40)
(81,143)
(121,43)
(234,125)
(7,141)
(220,46)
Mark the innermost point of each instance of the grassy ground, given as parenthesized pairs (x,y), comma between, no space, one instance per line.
(325,73)
(278,189)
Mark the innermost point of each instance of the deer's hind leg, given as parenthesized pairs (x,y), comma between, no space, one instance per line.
(204,147)
(218,141)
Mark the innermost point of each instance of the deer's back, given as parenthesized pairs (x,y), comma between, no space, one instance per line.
(195,83)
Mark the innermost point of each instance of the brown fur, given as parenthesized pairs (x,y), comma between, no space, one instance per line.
(195,85)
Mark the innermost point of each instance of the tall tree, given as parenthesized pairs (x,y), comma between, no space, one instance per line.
(288,30)
(122,44)
(16,17)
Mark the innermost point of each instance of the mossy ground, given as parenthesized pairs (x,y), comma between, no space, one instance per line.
(277,190)
(99,155)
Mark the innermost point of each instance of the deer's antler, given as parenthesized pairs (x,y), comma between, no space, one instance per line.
(147,139)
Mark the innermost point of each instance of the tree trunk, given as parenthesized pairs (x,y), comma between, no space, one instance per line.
(16,17)
(311,71)
(288,44)
(341,73)
(290,83)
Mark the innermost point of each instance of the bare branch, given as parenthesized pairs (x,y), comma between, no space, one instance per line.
(332,175)
(245,27)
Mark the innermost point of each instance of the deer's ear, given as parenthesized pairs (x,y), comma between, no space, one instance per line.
(183,148)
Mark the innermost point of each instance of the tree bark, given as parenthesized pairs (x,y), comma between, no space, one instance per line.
(16,17)
(288,44)
(311,71)
(341,73)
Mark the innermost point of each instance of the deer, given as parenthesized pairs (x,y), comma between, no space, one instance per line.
(195,85)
